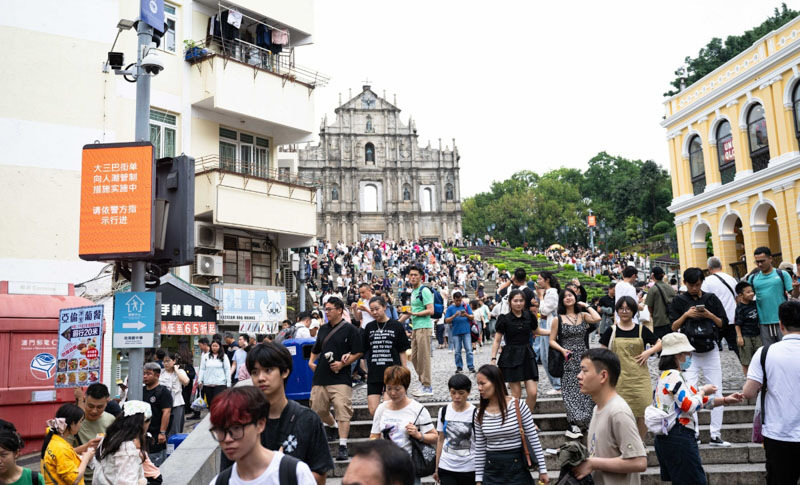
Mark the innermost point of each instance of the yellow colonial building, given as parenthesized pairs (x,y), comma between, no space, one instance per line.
(734,156)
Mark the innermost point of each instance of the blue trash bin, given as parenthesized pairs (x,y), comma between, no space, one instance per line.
(175,441)
(298,386)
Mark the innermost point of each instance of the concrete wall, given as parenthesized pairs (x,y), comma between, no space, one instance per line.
(196,461)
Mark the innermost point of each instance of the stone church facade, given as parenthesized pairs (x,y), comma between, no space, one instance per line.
(376,181)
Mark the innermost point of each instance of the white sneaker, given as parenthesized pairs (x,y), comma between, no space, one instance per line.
(574,432)
(554,392)
(719,442)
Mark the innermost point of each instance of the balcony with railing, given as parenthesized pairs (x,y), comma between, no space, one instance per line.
(232,77)
(250,195)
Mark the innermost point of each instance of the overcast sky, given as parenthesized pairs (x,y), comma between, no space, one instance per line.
(521,84)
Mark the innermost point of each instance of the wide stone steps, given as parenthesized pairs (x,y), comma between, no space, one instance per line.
(746,458)
(735,474)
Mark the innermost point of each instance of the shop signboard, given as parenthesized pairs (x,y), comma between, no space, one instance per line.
(255,309)
(80,345)
(116,215)
(184,314)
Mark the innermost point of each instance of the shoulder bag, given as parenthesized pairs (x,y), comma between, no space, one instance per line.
(522,436)
(555,359)
(422,454)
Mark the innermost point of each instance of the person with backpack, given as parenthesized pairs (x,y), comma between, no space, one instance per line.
(775,373)
(771,286)
(723,286)
(657,302)
(422,311)
(11,445)
(700,316)
(238,417)
(455,449)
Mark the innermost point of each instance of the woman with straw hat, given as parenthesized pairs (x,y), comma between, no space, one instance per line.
(677,451)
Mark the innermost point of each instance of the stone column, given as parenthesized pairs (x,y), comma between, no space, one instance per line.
(444,229)
(356,235)
(328,230)
(344,229)
(416,230)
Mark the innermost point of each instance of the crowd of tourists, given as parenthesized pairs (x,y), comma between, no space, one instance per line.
(595,354)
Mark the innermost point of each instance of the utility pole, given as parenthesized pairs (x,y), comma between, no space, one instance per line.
(591,233)
(302,288)
(136,356)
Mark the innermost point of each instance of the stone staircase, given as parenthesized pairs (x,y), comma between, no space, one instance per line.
(740,464)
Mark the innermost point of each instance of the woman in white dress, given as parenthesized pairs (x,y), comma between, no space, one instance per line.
(122,452)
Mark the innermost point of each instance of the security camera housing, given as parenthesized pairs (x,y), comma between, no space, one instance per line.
(152,63)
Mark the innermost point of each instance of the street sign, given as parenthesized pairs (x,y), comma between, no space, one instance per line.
(134,320)
(80,345)
(592,221)
(152,12)
(117,187)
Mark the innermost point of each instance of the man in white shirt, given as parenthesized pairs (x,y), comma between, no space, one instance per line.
(359,310)
(626,288)
(302,326)
(781,428)
(722,285)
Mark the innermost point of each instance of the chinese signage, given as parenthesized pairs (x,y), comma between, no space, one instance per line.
(727,151)
(116,201)
(183,313)
(260,307)
(80,342)
(134,320)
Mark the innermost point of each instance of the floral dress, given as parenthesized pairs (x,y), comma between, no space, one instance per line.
(579,406)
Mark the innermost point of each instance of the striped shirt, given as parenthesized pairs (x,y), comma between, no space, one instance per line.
(495,435)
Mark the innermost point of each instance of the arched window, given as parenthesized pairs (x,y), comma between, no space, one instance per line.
(696,165)
(369,153)
(796,104)
(757,133)
(406,193)
(725,155)
(427,200)
(369,128)
(369,198)
(335,192)
(448,191)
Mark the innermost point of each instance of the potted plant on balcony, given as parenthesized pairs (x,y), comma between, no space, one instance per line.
(193,51)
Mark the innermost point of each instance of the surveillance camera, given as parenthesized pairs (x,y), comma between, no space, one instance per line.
(116,60)
(152,63)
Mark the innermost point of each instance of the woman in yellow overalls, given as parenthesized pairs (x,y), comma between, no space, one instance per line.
(628,340)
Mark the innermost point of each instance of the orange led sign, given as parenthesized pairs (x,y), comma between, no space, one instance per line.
(592,221)
(117,187)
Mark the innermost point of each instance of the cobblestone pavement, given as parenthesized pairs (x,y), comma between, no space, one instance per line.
(443,367)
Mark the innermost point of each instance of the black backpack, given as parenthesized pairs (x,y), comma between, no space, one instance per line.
(286,473)
(286,334)
(702,334)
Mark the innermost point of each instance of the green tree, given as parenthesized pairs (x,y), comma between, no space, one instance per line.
(717,52)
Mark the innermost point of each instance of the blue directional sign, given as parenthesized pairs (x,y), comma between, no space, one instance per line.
(134,320)
(152,12)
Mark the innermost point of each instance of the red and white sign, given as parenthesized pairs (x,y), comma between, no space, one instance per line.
(188,328)
(727,151)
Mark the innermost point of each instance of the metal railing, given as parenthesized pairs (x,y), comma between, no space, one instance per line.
(255,169)
(281,64)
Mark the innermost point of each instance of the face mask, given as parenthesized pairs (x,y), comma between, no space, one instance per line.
(686,363)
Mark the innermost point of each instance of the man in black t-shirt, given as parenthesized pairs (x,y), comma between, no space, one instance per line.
(338,345)
(160,400)
(291,426)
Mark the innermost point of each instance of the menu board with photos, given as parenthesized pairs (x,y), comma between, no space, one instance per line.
(80,345)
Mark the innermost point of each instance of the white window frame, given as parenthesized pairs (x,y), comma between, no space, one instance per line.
(173,17)
(260,147)
(162,128)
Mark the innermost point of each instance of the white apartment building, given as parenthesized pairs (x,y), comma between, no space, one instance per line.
(243,94)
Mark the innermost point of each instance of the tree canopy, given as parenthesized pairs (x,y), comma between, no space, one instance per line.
(623,193)
(717,52)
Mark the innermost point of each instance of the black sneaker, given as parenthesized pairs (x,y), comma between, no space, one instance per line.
(342,455)
(472,370)
(332,433)
(459,370)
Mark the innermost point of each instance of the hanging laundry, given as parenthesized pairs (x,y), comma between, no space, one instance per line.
(263,37)
(235,18)
(280,37)
(229,31)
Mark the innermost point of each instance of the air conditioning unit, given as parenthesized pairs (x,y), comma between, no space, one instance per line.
(207,236)
(289,281)
(286,256)
(208,265)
